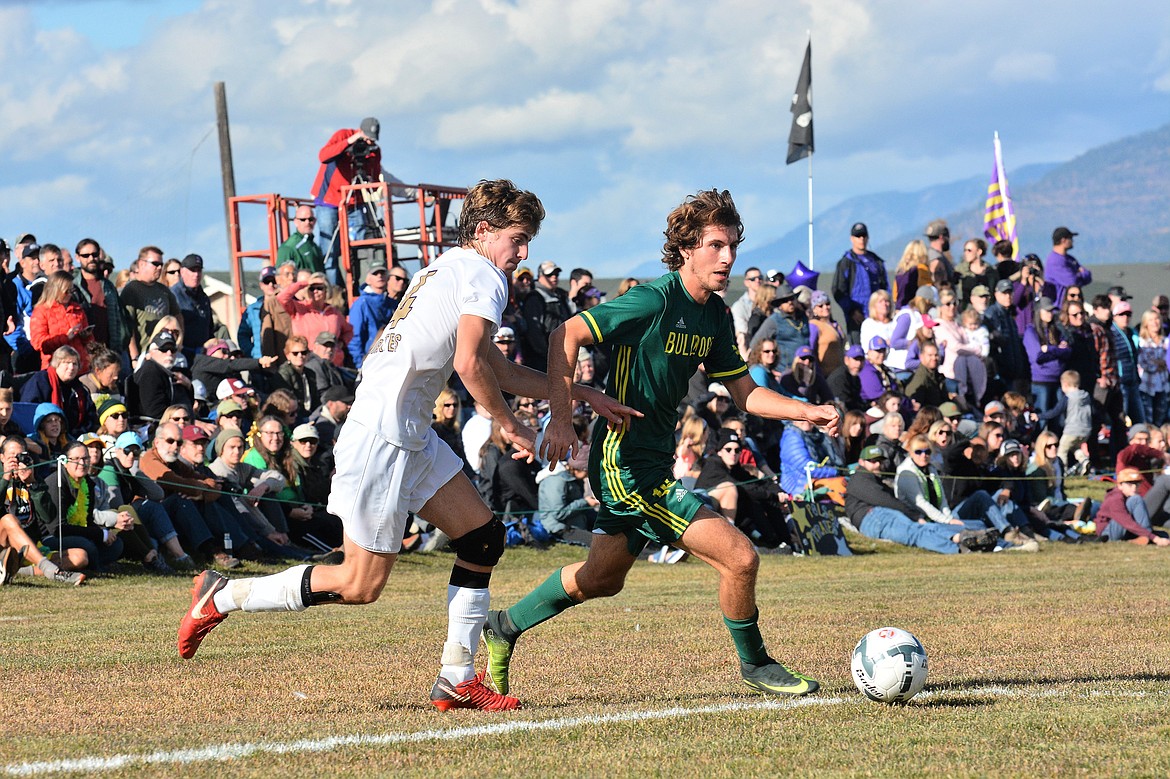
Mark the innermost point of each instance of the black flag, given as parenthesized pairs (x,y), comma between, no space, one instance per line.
(800,137)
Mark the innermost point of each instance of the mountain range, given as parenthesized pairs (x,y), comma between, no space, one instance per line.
(1116,196)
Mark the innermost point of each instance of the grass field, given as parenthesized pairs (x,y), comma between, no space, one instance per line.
(1046,664)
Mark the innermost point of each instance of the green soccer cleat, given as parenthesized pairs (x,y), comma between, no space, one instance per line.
(499,648)
(776,679)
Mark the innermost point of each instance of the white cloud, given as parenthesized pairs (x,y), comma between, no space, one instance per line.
(1024,66)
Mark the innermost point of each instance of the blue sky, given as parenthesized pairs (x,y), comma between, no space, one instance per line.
(610,110)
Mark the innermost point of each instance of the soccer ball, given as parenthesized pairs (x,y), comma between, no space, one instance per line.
(889,665)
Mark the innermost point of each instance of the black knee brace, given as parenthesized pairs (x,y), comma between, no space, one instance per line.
(482,546)
(310,598)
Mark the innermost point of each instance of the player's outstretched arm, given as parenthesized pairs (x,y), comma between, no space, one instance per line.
(474,356)
(762,402)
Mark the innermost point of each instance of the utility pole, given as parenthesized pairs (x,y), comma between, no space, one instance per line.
(227,172)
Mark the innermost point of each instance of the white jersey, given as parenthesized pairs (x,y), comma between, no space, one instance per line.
(412,359)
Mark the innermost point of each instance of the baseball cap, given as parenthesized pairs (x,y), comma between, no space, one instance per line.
(89,439)
(230,387)
(1009,446)
(1122,308)
(1045,304)
(928,321)
(981,291)
(505,335)
(1120,293)
(337,393)
(371,127)
(195,433)
(856,352)
(199,390)
(127,440)
(549,268)
(163,341)
(593,292)
(804,351)
(937,229)
(773,276)
(192,262)
(305,432)
(267,273)
(376,265)
(26,238)
(993,407)
(877,343)
(1062,233)
(523,272)
(1129,476)
(727,436)
(228,406)
(1138,429)
(872,454)
(218,346)
(718,389)
(32,250)
(1003,285)
(859,230)
(950,410)
(326,338)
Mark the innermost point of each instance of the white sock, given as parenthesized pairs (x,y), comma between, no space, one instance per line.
(278,592)
(466,612)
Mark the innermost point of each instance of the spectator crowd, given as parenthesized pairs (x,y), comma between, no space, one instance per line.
(137,432)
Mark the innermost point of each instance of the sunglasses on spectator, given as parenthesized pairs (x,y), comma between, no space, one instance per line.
(1077,314)
(157,263)
(805,358)
(767,351)
(396,277)
(118,415)
(268,281)
(1050,446)
(528,404)
(301,353)
(180,419)
(170,440)
(752,278)
(732,449)
(306,218)
(88,255)
(450,405)
(172,271)
(1073,296)
(921,451)
(316,287)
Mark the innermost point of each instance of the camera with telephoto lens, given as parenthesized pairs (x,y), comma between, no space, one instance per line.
(362,149)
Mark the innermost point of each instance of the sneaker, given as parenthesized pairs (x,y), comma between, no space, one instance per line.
(332,557)
(9,563)
(225,561)
(978,540)
(776,679)
(472,694)
(500,649)
(76,578)
(184,563)
(202,616)
(158,565)
(675,556)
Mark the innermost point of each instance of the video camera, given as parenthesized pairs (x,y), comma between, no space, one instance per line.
(362,149)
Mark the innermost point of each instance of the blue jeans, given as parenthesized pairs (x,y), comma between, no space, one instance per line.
(1045,394)
(895,526)
(100,556)
(1154,407)
(327,219)
(979,505)
(1137,509)
(154,518)
(1134,408)
(193,531)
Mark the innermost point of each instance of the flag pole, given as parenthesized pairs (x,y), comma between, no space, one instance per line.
(811,266)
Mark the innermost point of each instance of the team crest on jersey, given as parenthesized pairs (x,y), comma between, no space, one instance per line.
(681,325)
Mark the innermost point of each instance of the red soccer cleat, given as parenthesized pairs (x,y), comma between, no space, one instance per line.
(202,616)
(472,694)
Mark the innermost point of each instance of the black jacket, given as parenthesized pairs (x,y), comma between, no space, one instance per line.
(865,491)
(846,388)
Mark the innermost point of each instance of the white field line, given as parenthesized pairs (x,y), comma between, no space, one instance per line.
(222,752)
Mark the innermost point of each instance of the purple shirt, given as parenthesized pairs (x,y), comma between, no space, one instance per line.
(1063,271)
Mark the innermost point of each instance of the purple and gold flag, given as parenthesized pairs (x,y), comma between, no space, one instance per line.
(999,215)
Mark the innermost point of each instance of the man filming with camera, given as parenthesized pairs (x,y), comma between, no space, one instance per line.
(348,154)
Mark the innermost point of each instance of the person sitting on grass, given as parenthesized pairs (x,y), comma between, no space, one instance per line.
(876,512)
(21,529)
(76,516)
(1123,514)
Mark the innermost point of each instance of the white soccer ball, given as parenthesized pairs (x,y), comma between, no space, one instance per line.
(889,665)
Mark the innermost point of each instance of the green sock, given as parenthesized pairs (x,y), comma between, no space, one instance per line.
(749,644)
(545,602)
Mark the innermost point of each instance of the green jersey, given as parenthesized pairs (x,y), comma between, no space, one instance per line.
(659,335)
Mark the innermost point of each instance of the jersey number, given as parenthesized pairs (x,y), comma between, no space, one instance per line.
(390,340)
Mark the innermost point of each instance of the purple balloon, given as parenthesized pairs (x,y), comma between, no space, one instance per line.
(802,276)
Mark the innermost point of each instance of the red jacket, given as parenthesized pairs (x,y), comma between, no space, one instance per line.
(48,327)
(1146,459)
(308,322)
(337,168)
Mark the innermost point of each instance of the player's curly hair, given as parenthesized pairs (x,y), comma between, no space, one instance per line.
(501,204)
(684,225)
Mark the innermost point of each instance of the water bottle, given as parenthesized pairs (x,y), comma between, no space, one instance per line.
(227,543)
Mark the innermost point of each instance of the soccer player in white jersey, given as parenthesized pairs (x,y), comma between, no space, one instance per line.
(390,462)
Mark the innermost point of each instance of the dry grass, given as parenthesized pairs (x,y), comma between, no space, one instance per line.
(1043,664)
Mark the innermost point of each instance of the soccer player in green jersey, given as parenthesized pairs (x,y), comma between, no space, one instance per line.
(660,333)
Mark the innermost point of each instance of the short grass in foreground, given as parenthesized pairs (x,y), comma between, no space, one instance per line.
(1045,664)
